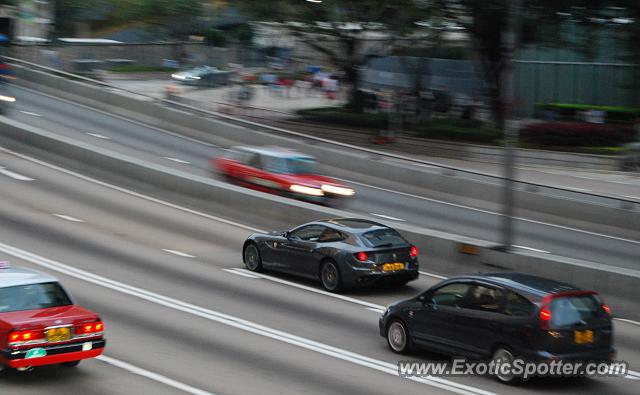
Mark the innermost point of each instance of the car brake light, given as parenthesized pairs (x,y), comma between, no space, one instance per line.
(606,308)
(413,251)
(90,328)
(19,337)
(362,256)
(545,316)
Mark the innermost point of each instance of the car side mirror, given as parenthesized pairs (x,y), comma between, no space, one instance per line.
(286,235)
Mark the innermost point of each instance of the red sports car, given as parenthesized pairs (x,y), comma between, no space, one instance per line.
(286,172)
(40,324)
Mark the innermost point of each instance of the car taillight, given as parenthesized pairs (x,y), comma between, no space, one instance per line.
(90,328)
(545,316)
(20,337)
(607,309)
(413,251)
(362,256)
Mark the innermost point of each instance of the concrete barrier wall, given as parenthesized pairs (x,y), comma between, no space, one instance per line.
(440,252)
(625,216)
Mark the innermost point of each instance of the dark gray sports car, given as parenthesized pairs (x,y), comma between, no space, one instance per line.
(339,252)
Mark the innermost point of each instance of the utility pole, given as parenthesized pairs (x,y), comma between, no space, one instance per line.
(510,125)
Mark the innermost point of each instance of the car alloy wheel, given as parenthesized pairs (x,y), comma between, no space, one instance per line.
(252,258)
(504,356)
(330,277)
(397,337)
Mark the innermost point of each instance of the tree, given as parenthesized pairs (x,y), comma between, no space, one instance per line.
(343,29)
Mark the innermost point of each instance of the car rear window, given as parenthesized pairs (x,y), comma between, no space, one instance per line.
(32,296)
(567,311)
(383,238)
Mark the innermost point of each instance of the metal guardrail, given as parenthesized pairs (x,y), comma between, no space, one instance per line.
(592,198)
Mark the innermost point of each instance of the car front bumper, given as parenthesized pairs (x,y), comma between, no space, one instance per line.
(54,354)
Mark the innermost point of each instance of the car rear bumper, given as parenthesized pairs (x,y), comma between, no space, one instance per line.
(366,277)
(55,354)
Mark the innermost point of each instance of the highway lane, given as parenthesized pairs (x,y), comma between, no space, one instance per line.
(117,236)
(386,203)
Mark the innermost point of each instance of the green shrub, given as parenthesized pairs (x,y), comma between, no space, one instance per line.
(341,116)
(569,112)
(573,134)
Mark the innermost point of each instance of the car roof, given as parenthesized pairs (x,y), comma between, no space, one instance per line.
(528,285)
(353,225)
(14,276)
(274,151)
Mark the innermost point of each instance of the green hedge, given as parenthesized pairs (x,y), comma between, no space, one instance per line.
(573,134)
(459,130)
(569,112)
(341,116)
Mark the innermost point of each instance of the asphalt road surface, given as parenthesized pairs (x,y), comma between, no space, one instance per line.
(390,203)
(183,317)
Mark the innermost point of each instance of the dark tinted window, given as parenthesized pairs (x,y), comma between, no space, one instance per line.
(450,295)
(253,160)
(383,237)
(296,165)
(483,298)
(32,296)
(517,305)
(571,310)
(330,235)
(308,233)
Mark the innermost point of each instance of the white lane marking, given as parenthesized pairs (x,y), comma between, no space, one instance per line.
(30,113)
(632,197)
(627,321)
(533,221)
(236,322)
(433,275)
(184,162)
(98,135)
(120,117)
(375,310)
(532,249)
(14,175)
(132,193)
(152,376)
(577,189)
(388,217)
(239,273)
(314,290)
(631,374)
(179,253)
(67,217)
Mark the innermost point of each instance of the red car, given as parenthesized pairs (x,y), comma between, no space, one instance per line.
(273,169)
(41,325)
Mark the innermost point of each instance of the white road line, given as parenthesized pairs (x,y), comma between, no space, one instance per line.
(236,322)
(98,135)
(632,197)
(239,273)
(388,217)
(533,221)
(532,249)
(375,310)
(433,275)
(179,253)
(132,193)
(67,218)
(30,113)
(152,376)
(627,321)
(14,175)
(633,375)
(314,290)
(577,189)
(184,162)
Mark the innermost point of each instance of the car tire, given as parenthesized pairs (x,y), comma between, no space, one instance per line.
(504,355)
(330,276)
(70,364)
(398,337)
(251,257)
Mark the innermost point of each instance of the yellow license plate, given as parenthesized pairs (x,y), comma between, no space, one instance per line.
(390,267)
(58,334)
(583,337)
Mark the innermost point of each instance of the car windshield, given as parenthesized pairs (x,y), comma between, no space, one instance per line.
(295,165)
(384,238)
(32,296)
(571,310)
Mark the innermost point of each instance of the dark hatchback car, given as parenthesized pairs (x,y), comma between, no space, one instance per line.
(339,252)
(503,316)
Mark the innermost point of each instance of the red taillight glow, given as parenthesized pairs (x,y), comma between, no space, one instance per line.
(25,336)
(545,314)
(362,256)
(413,251)
(87,329)
(606,308)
